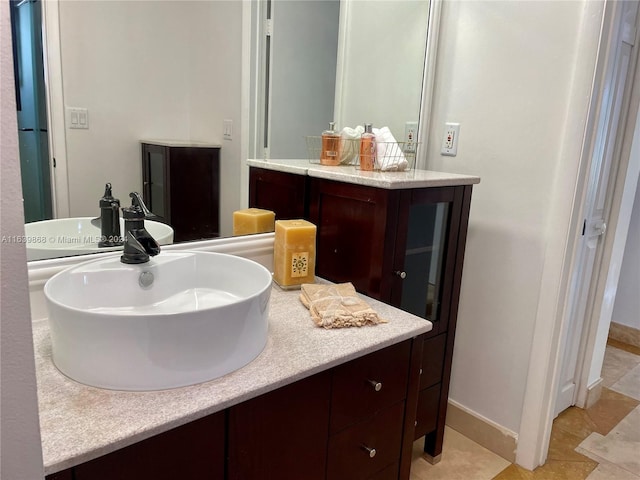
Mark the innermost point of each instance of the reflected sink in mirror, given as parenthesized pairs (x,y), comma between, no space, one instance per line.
(64,237)
(180,319)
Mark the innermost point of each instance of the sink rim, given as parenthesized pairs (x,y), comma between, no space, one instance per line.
(153,262)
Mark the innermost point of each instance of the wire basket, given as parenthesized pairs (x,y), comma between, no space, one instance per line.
(391,156)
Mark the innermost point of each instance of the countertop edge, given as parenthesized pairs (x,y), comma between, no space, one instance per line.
(350,174)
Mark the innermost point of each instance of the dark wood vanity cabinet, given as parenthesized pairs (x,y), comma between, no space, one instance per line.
(281,435)
(284,194)
(63,475)
(404,247)
(354,421)
(192,451)
(181,185)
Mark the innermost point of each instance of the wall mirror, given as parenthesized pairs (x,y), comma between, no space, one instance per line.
(181,70)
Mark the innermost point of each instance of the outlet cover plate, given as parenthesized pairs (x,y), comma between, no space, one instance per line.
(450,139)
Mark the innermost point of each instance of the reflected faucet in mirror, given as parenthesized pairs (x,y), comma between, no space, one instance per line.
(64,237)
(138,243)
(109,219)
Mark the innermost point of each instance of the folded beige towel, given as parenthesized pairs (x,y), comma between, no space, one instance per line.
(336,306)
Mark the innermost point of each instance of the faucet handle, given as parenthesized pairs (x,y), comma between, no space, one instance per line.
(136,201)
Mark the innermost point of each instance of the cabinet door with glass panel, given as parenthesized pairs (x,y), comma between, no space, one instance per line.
(425,253)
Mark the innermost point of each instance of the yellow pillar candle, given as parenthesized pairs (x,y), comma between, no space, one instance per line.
(253,220)
(294,253)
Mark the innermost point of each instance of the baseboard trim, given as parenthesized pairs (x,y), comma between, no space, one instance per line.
(625,334)
(483,431)
(594,392)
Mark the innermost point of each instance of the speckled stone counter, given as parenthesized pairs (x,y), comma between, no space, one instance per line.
(351,174)
(79,423)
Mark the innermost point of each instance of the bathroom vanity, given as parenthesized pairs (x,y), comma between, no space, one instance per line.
(398,237)
(315,404)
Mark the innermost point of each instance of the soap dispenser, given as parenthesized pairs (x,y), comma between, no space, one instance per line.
(368,149)
(330,154)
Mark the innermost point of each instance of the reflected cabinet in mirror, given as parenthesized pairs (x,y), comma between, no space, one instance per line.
(119,72)
(181,185)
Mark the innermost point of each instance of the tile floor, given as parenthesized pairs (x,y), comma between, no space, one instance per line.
(600,443)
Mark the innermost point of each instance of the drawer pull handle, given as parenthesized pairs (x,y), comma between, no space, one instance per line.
(377,386)
(371,451)
(401,274)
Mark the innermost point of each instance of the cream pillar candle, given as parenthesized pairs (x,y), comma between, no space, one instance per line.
(253,220)
(294,253)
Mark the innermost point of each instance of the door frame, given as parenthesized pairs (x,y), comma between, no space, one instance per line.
(620,198)
(551,328)
(55,108)
(609,112)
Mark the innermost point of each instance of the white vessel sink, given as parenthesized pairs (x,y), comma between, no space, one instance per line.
(64,237)
(203,315)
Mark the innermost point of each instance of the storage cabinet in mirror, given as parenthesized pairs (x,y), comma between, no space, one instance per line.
(181,185)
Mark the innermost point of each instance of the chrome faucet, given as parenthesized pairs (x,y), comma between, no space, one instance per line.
(138,243)
(109,220)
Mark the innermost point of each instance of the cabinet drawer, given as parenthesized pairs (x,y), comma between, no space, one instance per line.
(432,360)
(427,415)
(368,384)
(348,457)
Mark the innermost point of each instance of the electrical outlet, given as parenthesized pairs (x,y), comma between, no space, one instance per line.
(450,139)
(410,137)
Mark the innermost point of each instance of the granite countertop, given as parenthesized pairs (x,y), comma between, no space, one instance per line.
(351,174)
(79,423)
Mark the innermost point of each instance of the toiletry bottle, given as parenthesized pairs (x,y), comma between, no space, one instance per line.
(367,149)
(330,154)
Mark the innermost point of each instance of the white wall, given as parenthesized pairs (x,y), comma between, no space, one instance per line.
(385,45)
(303,73)
(21,455)
(166,70)
(626,309)
(506,71)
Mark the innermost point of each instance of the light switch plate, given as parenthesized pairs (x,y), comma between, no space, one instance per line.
(77,118)
(227,129)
